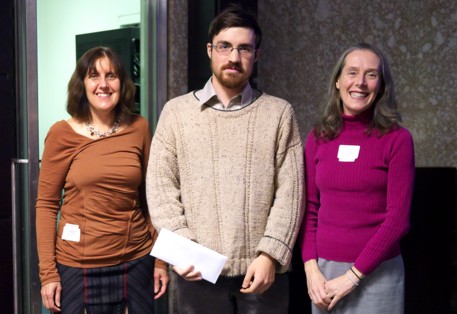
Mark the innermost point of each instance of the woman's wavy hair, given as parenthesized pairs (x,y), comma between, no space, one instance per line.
(77,103)
(385,113)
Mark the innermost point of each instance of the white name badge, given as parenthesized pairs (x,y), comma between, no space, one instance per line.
(348,153)
(71,232)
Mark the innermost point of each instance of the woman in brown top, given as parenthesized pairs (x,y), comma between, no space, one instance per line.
(91,186)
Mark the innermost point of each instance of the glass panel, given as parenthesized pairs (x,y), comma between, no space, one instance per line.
(58,24)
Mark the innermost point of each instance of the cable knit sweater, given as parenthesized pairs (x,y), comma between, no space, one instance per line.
(229,180)
(357,211)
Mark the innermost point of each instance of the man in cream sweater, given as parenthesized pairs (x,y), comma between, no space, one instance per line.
(226,171)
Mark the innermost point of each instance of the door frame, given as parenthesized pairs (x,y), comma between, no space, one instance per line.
(27,296)
(154,61)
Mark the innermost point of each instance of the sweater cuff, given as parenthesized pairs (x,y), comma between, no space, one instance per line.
(276,249)
(49,279)
(160,264)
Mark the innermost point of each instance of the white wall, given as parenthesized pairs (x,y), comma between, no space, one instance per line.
(58,21)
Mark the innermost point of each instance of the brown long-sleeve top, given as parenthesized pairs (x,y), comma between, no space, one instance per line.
(102,181)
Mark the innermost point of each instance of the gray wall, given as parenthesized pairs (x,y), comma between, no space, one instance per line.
(303,39)
(419,37)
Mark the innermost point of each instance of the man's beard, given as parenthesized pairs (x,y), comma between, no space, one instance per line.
(231,81)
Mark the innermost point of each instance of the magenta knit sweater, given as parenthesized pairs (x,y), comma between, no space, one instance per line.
(357,211)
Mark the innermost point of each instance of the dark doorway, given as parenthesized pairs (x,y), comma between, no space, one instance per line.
(201,13)
(7,122)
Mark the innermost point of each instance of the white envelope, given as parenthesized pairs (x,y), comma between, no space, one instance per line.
(182,252)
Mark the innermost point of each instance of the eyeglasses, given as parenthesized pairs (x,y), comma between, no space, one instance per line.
(225,49)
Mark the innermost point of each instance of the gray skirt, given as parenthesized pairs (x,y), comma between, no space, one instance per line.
(380,292)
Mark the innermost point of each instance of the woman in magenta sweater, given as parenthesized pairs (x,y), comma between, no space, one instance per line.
(359,175)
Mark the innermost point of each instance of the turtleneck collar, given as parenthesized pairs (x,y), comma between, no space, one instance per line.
(361,121)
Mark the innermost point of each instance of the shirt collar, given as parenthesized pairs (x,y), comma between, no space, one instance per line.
(207,96)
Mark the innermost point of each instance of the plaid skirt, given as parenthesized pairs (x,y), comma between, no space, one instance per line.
(109,290)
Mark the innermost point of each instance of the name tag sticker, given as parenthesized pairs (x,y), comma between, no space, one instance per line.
(348,153)
(71,232)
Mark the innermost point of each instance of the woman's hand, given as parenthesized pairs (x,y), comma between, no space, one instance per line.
(50,294)
(339,287)
(161,280)
(317,285)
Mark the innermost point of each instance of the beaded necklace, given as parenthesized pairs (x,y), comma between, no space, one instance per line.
(93,131)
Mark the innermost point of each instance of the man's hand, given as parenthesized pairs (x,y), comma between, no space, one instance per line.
(50,294)
(260,275)
(188,273)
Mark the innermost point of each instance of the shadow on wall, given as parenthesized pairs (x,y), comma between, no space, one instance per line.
(429,249)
